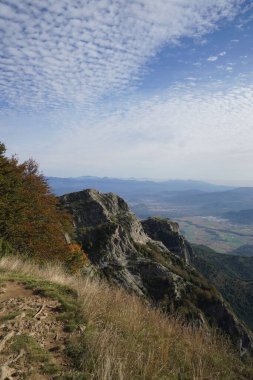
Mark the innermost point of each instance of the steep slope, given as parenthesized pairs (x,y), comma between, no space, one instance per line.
(57,326)
(167,231)
(38,320)
(245,250)
(118,246)
(232,275)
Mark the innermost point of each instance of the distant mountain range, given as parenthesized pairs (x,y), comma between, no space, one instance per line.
(129,187)
(171,198)
(216,203)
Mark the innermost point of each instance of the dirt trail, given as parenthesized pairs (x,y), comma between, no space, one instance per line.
(14,290)
(32,337)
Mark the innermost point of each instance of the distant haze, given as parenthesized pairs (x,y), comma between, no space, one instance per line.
(171,198)
(130,188)
(234,183)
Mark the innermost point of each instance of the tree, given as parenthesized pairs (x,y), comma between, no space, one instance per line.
(30,219)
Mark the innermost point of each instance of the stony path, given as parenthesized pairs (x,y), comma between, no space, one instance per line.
(32,339)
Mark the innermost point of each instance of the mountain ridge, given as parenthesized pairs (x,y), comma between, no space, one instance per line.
(118,246)
(117,185)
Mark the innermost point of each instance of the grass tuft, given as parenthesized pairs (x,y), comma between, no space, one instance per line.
(118,337)
(8,316)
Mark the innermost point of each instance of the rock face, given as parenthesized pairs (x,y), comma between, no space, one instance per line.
(123,250)
(116,243)
(167,231)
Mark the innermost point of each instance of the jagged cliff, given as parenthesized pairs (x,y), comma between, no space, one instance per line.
(167,231)
(123,250)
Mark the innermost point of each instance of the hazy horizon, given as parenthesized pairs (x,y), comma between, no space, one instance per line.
(124,88)
(208,181)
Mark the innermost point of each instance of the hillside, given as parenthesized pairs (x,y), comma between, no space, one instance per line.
(241,217)
(244,250)
(126,255)
(73,328)
(232,275)
(136,307)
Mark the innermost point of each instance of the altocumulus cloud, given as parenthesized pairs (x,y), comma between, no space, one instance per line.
(77,63)
(57,54)
(185,133)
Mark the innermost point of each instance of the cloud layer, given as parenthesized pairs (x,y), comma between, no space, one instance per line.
(57,54)
(186,133)
(72,68)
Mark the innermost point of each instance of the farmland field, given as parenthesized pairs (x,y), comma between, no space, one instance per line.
(218,234)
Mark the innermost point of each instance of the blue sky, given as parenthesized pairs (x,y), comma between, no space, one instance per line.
(140,88)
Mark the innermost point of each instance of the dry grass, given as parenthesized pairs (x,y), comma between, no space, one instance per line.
(126,339)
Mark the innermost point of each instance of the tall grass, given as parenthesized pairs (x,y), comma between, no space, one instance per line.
(126,339)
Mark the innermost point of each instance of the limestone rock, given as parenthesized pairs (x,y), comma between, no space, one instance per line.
(167,231)
(123,250)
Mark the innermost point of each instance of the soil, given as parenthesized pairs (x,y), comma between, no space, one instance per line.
(31,318)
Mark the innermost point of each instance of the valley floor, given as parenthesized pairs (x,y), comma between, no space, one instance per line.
(216,233)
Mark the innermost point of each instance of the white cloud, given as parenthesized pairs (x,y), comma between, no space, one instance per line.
(216,57)
(56,53)
(65,56)
(212,58)
(202,133)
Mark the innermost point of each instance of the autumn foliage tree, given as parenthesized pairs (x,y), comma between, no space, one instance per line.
(30,219)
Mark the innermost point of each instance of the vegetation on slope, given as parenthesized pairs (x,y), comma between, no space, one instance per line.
(114,335)
(127,255)
(245,250)
(105,332)
(31,222)
(241,217)
(232,275)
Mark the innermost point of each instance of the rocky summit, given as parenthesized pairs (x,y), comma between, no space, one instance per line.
(151,259)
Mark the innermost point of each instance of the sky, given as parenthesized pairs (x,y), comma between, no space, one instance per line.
(129,88)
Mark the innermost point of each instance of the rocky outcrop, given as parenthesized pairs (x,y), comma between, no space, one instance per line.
(124,251)
(167,231)
(116,243)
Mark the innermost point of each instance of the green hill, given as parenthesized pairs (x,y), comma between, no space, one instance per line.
(232,275)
